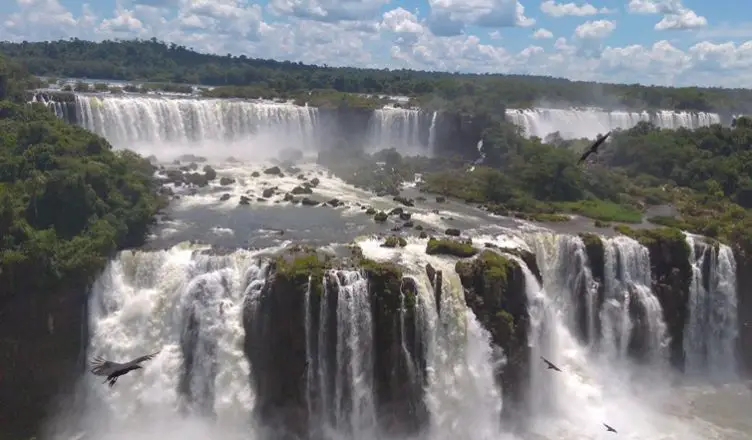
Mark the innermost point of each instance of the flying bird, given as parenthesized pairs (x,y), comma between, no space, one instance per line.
(593,148)
(550,365)
(113,370)
(610,429)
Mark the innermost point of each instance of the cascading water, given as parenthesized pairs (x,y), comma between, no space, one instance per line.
(432,132)
(340,371)
(586,123)
(187,305)
(251,127)
(593,388)
(397,128)
(712,327)
(632,315)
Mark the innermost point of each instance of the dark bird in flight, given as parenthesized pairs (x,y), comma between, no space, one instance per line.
(609,429)
(113,370)
(550,365)
(594,148)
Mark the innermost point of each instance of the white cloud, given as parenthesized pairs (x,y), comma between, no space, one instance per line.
(592,30)
(676,16)
(550,7)
(542,33)
(357,33)
(450,17)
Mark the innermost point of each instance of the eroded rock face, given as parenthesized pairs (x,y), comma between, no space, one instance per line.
(42,351)
(671,273)
(495,290)
(744,307)
(277,347)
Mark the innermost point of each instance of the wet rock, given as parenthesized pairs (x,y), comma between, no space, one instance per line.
(335,203)
(289,197)
(298,190)
(408,224)
(370,211)
(225,197)
(394,241)
(315,182)
(244,201)
(423,234)
(191,158)
(440,199)
(268,192)
(273,171)
(404,216)
(453,232)
(404,200)
(380,217)
(224,181)
(450,247)
(255,174)
(308,202)
(210,173)
(196,179)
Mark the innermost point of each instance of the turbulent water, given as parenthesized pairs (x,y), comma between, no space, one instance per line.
(248,128)
(603,326)
(575,124)
(710,336)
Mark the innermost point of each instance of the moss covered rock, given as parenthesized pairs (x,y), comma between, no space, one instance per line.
(454,248)
(495,290)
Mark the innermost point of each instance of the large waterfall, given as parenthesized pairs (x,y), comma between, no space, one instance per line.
(712,327)
(244,129)
(598,321)
(586,123)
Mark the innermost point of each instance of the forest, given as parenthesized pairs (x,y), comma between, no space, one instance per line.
(156,62)
(67,200)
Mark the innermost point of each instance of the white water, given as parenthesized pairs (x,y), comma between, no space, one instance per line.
(462,394)
(347,405)
(587,123)
(593,388)
(144,302)
(712,327)
(396,128)
(628,279)
(432,132)
(242,128)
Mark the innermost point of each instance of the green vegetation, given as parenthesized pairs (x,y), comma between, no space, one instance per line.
(450,247)
(394,241)
(156,62)
(67,201)
(704,174)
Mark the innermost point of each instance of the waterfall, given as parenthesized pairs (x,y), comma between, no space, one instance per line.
(712,329)
(344,380)
(396,128)
(632,315)
(188,306)
(586,123)
(432,132)
(249,128)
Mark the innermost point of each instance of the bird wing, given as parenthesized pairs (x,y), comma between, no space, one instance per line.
(145,358)
(103,367)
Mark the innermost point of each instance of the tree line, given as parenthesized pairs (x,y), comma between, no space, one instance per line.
(155,61)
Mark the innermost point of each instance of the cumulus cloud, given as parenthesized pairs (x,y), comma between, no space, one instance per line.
(450,17)
(676,16)
(456,35)
(542,33)
(592,30)
(550,7)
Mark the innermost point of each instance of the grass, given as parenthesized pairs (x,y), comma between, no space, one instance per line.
(602,210)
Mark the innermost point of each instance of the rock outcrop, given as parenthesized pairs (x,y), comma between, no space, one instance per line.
(277,348)
(494,287)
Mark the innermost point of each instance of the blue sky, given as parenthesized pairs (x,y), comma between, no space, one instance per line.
(671,42)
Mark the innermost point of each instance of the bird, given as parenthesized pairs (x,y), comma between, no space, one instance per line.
(593,148)
(610,429)
(113,370)
(550,365)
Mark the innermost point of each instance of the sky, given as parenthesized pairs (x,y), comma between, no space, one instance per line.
(661,42)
